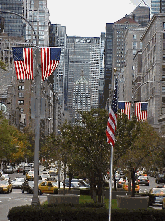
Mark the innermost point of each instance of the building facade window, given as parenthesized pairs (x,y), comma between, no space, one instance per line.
(134,36)
(134,45)
(20,95)
(21,102)
(21,87)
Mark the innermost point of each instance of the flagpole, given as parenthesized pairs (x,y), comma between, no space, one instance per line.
(110,193)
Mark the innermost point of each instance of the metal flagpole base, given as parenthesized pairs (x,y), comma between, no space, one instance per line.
(35,201)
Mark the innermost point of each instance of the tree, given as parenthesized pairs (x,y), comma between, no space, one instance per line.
(141,144)
(91,151)
(13,143)
(3,65)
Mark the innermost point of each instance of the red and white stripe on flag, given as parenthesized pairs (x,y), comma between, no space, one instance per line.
(111,127)
(47,65)
(127,109)
(24,67)
(139,112)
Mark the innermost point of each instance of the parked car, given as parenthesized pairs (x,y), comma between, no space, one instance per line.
(156,195)
(17,182)
(160,178)
(48,187)
(143,180)
(8,169)
(5,186)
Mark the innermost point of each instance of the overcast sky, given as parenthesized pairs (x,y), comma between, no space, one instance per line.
(88,18)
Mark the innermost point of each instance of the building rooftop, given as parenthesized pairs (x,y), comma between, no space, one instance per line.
(126,20)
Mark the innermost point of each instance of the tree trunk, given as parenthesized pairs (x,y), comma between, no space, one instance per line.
(133,182)
(114,180)
(100,182)
(129,185)
(93,189)
(70,178)
(64,176)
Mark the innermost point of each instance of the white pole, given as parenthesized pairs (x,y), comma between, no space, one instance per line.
(111,169)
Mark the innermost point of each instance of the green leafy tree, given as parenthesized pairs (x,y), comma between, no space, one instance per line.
(91,151)
(141,143)
(13,143)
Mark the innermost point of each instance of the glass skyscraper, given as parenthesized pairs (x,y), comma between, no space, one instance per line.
(157,6)
(13,24)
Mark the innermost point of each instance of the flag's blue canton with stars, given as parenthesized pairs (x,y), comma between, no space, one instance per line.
(112,120)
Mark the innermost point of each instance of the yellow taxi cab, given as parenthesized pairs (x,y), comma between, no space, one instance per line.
(137,187)
(5,186)
(48,187)
(30,175)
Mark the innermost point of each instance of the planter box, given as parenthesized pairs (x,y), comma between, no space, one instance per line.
(128,202)
(60,199)
(114,193)
(67,191)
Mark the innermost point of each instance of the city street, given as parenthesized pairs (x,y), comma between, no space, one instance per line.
(17,198)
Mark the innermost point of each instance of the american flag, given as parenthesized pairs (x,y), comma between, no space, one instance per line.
(23,62)
(124,107)
(112,120)
(141,110)
(49,60)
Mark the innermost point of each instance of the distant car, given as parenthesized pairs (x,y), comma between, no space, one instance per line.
(160,178)
(137,187)
(5,176)
(143,180)
(5,186)
(20,169)
(17,182)
(77,183)
(44,176)
(48,187)
(8,169)
(52,173)
(30,175)
(26,169)
(156,195)
(120,182)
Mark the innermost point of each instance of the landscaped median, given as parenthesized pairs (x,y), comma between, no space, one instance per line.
(84,211)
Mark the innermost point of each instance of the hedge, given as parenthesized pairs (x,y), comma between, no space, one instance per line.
(81,212)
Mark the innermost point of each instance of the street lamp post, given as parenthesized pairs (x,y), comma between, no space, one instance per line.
(35,199)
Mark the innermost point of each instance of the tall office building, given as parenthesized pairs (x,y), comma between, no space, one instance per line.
(141,14)
(108,61)
(157,6)
(84,57)
(153,71)
(36,12)
(81,98)
(57,38)
(120,27)
(132,45)
(101,76)
(13,24)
